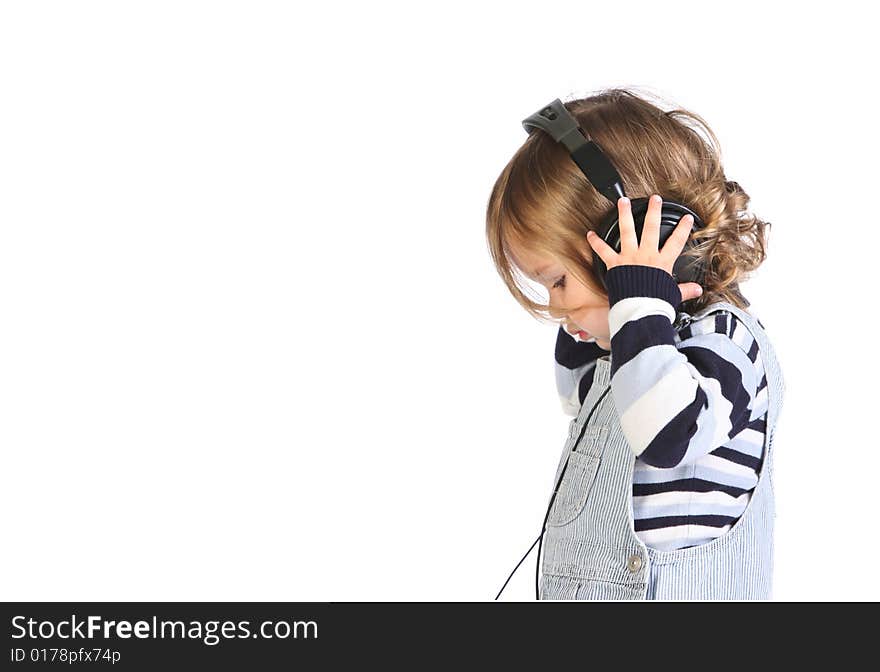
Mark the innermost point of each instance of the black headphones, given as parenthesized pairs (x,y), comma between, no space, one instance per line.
(556,120)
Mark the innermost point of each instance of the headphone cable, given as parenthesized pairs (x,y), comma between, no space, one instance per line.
(550,506)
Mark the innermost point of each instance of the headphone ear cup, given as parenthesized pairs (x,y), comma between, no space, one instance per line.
(684,269)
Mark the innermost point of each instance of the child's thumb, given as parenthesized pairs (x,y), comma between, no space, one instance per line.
(690,290)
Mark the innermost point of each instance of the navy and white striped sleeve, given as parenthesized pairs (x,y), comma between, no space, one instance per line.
(575,362)
(676,402)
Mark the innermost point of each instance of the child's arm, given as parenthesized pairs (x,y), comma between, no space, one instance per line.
(676,402)
(574,362)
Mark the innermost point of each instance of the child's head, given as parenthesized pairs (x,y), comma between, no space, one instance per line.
(542,206)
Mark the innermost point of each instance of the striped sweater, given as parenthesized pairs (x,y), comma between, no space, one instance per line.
(692,403)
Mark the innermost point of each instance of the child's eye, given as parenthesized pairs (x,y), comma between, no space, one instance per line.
(560,283)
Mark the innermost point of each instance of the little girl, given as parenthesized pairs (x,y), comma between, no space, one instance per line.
(666,489)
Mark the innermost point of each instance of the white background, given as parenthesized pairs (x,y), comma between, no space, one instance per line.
(252,345)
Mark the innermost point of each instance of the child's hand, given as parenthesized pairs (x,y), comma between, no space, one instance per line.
(645,252)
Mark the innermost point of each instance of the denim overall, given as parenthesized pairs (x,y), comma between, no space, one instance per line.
(591,548)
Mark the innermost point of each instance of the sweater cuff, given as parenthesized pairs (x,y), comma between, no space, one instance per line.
(629,280)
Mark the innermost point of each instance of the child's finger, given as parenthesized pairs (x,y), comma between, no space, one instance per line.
(626,225)
(651,229)
(678,239)
(690,290)
(602,248)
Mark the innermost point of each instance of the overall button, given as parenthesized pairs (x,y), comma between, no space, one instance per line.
(634,563)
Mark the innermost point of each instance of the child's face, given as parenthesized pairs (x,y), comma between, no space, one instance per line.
(588,311)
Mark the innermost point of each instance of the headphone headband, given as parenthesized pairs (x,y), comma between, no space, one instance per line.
(556,120)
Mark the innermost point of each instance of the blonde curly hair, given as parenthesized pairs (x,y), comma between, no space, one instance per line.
(543,202)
